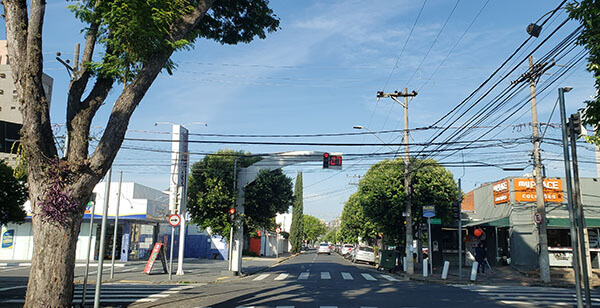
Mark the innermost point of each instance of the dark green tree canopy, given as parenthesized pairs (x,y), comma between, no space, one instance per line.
(13,194)
(354,223)
(269,194)
(297,227)
(313,228)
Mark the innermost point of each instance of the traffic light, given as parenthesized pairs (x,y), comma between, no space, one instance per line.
(232,213)
(455,211)
(325,160)
(578,127)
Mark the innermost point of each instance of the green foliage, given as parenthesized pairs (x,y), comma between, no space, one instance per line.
(135,31)
(381,199)
(297,227)
(331,236)
(354,222)
(313,228)
(210,189)
(269,194)
(13,194)
(588,13)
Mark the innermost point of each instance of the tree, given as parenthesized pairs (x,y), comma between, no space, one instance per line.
(13,194)
(138,38)
(270,193)
(381,195)
(297,228)
(331,236)
(588,13)
(313,228)
(354,223)
(210,189)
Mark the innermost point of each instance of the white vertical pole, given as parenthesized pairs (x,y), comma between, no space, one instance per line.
(102,235)
(425,267)
(114,248)
(87,259)
(430,254)
(404,267)
(445,270)
(474,270)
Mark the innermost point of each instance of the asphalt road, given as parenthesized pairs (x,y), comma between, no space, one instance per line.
(311,280)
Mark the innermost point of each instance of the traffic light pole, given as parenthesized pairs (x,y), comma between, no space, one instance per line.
(408,250)
(459,231)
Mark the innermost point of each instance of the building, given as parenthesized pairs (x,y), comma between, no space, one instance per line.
(505,211)
(10,114)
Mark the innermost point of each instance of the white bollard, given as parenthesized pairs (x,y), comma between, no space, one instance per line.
(445,270)
(425,267)
(474,271)
(404,267)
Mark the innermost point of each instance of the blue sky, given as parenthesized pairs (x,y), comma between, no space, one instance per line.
(320,74)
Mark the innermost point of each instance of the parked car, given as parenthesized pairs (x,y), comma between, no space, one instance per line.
(324,248)
(364,253)
(346,249)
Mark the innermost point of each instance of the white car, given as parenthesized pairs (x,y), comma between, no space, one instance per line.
(364,254)
(324,248)
(346,249)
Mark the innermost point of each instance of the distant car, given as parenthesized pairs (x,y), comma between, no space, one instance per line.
(324,248)
(346,249)
(364,254)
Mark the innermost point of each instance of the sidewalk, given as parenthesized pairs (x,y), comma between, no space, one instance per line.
(503,275)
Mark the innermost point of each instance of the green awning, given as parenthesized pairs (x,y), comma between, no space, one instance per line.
(493,222)
(564,222)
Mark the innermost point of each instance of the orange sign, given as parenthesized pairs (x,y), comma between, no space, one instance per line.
(525,190)
(500,190)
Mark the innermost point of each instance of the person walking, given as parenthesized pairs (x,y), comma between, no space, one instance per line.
(480,257)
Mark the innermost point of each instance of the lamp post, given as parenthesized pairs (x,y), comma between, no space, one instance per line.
(374,134)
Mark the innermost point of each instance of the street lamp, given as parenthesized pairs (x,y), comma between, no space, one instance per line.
(374,134)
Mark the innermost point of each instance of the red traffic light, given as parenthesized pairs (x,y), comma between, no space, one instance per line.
(232,211)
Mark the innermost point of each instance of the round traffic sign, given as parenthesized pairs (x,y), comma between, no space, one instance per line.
(278,230)
(537,217)
(174,220)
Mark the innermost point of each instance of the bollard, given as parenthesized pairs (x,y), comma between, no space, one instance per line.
(404,268)
(445,270)
(474,270)
(425,267)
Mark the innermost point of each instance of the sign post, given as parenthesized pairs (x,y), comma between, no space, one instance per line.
(278,230)
(174,221)
(429,211)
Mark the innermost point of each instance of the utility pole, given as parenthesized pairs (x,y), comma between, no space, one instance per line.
(115,232)
(408,250)
(535,71)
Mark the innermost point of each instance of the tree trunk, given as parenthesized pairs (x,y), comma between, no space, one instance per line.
(52,266)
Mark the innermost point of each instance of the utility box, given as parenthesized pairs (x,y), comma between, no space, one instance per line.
(387,259)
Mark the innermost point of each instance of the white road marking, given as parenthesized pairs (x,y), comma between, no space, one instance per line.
(369,277)
(304,275)
(325,275)
(390,278)
(261,277)
(347,276)
(285,307)
(12,288)
(281,276)
(327,306)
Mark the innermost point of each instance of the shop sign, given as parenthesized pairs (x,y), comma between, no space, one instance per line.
(500,190)
(428,211)
(525,190)
(8,238)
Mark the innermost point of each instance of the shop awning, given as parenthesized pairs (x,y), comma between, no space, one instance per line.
(492,222)
(564,222)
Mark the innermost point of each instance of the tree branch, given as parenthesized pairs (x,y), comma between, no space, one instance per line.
(129,99)
(16,34)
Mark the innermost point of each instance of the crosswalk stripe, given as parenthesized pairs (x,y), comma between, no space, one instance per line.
(303,275)
(347,276)
(390,278)
(325,275)
(261,277)
(369,277)
(281,276)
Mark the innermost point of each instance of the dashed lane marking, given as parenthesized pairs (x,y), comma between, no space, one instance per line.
(369,277)
(281,276)
(304,275)
(325,275)
(347,276)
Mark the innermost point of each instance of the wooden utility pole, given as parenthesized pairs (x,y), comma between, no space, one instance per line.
(407,177)
(535,71)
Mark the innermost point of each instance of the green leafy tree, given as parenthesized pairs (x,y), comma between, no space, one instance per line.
(128,42)
(13,194)
(354,223)
(382,197)
(588,13)
(297,227)
(270,193)
(331,236)
(313,228)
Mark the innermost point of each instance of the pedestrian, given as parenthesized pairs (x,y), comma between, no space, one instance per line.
(480,257)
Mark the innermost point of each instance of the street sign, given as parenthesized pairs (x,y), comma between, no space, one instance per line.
(537,217)
(436,221)
(174,220)
(278,230)
(428,211)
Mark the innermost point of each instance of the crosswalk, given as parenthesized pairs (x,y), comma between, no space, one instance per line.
(325,276)
(113,294)
(530,296)
(290,307)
